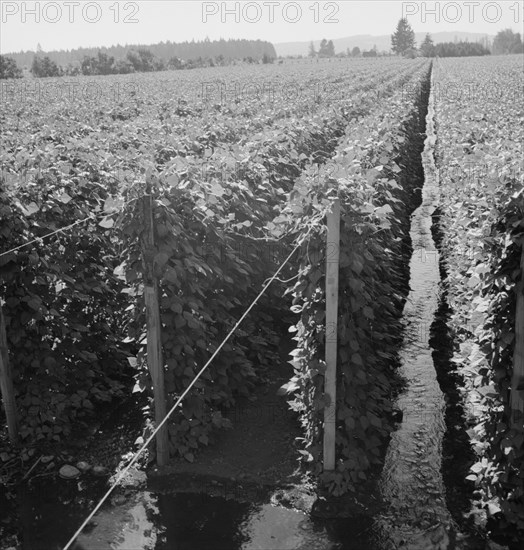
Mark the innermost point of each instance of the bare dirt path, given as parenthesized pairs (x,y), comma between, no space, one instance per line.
(259,450)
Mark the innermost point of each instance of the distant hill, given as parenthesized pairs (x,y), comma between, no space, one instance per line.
(382,42)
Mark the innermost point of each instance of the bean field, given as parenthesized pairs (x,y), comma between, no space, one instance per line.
(207,184)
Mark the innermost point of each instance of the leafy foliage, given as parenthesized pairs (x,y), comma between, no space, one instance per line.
(62,304)
(9,68)
(483,227)
(375,174)
(44,67)
(218,240)
(507,42)
(222,173)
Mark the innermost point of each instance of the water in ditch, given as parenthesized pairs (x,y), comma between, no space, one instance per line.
(50,512)
(416,516)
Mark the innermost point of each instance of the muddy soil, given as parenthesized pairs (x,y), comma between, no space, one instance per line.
(260,447)
(257,459)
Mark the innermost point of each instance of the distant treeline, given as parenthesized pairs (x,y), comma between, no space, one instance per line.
(163,52)
(139,61)
(506,42)
(457,49)
(460,49)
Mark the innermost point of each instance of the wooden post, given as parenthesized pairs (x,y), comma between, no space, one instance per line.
(517,380)
(330,381)
(6,384)
(154,331)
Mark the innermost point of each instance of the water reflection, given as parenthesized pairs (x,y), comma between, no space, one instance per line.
(49,514)
(212,523)
(198,521)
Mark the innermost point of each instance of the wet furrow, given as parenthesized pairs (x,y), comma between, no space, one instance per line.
(412,488)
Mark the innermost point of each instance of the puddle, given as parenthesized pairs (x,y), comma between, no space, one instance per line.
(49,514)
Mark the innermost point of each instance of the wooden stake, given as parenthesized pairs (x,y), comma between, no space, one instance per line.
(154,331)
(330,382)
(6,384)
(517,380)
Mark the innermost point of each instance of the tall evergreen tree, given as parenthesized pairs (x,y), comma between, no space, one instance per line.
(427,48)
(403,39)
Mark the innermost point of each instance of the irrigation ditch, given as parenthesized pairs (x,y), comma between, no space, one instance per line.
(415,513)
(245,491)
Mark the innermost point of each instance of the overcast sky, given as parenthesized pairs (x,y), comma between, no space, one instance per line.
(71,24)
